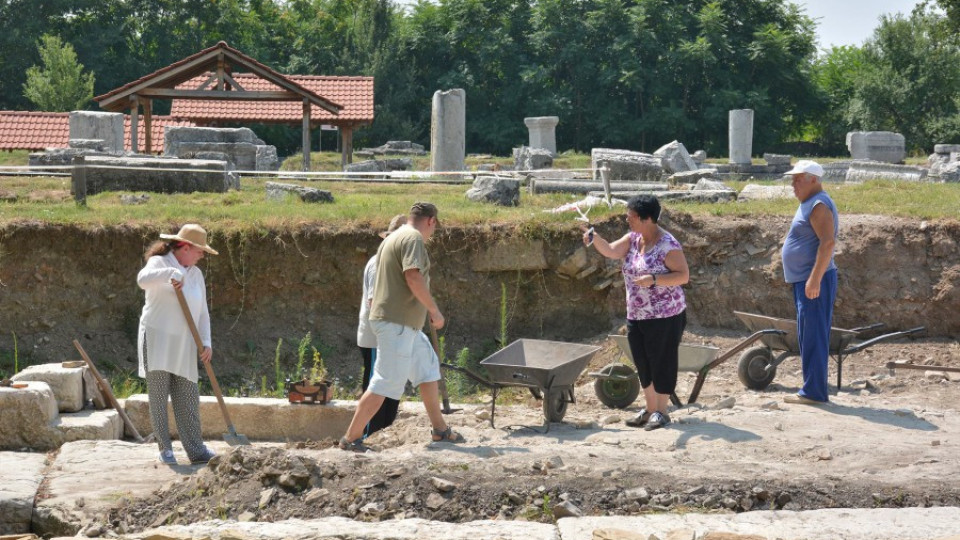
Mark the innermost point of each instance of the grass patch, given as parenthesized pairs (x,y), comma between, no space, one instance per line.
(47,199)
(14,158)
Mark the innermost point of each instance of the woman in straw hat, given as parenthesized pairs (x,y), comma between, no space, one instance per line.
(165,345)
(367,340)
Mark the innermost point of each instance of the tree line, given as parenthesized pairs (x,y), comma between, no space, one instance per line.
(629,74)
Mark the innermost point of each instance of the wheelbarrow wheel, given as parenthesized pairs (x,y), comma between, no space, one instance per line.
(614,393)
(752,368)
(554,406)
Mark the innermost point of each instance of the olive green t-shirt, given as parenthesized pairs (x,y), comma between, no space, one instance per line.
(393,301)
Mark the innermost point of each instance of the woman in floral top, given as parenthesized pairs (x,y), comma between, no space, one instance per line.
(654,270)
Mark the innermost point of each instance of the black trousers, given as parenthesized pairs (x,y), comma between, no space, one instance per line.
(654,345)
(388,411)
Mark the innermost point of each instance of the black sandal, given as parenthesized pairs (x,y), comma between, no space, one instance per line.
(640,419)
(446,435)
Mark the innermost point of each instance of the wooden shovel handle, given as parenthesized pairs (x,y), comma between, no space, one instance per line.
(105,388)
(206,365)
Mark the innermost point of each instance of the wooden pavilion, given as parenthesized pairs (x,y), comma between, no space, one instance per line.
(215,68)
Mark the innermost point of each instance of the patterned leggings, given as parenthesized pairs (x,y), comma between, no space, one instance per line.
(186,409)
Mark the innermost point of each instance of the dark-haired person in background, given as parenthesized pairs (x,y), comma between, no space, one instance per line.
(654,270)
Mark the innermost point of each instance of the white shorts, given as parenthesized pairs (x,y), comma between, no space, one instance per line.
(403,354)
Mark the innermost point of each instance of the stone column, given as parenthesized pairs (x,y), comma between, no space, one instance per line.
(448,130)
(741,136)
(543,132)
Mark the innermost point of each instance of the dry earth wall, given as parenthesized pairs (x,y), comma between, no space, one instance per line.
(59,283)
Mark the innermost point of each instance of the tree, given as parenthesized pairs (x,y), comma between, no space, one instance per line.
(60,85)
(910,81)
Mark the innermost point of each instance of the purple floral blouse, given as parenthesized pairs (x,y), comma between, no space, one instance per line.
(657,302)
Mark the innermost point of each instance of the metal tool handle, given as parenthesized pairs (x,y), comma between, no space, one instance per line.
(206,365)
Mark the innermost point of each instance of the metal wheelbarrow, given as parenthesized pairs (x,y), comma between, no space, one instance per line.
(617,385)
(549,369)
(758,366)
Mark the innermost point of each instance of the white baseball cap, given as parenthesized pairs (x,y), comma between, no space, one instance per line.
(806,166)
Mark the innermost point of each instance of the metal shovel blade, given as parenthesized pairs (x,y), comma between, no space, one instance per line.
(235,439)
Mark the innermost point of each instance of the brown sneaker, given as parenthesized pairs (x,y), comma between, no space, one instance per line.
(354,446)
(640,419)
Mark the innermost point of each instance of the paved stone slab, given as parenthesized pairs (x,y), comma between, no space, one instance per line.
(826,524)
(337,528)
(66,383)
(20,476)
(101,473)
(260,419)
(862,171)
(755,192)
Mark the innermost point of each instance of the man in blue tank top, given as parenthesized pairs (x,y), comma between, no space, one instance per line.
(808,266)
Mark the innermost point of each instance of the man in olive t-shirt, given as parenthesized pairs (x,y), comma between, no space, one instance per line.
(401,303)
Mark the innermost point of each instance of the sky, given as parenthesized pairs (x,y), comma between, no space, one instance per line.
(850,22)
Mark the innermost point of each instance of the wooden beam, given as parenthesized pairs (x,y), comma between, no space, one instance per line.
(346,146)
(306,135)
(134,113)
(220,70)
(233,83)
(207,82)
(264,95)
(170,78)
(148,125)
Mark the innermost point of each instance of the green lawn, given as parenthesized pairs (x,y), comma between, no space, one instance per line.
(368,204)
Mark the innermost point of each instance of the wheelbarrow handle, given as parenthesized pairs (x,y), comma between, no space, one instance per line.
(873,326)
(885,337)
(473,376)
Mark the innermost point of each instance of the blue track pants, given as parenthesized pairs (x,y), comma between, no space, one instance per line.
(814,318)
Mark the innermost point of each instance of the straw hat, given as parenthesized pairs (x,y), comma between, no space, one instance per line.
(192,234)
(398,221)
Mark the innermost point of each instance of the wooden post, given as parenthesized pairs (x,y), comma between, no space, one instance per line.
(79,180)
(306,135)
(346,146)
(134,112)
(148,126)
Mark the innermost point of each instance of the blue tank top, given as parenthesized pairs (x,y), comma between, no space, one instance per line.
(800,248)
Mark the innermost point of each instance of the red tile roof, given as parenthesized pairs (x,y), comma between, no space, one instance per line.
(354,94)
(201,62)
(28,130)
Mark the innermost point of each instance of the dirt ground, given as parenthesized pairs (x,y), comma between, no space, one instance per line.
(886,440)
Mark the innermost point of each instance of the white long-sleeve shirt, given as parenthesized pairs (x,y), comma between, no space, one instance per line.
(170,346)
(365,336)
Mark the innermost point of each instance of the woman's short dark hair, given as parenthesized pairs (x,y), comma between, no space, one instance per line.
(645,206)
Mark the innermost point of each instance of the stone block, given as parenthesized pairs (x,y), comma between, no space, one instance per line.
(863,171)
(950,172)
(267,159)
(392,147)
(448,130)
(511,256)
(370,165)
(175,135)
(261,419)
(105,126)
(158,175)
(574,263)
(96,145)
(704,196)
(491,189)
(755,192)
(241,155)
(105,425)
(692,177)
(705,184)
(699,157)
(883,146)
(277,191)
(526,158)
(777,159)
(626,165)
(543,132)
(674,158)
(66,383)
(835,171)
(20,479)
(28,417)
(946,148)
(740,133)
